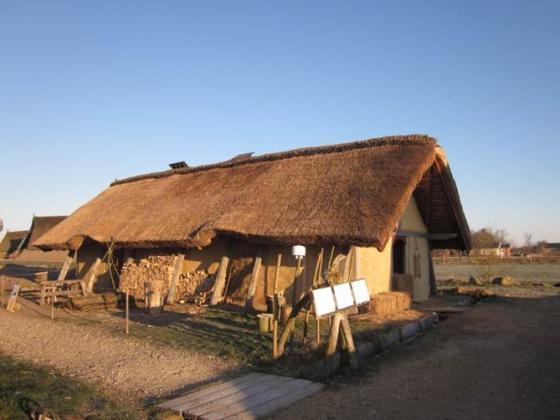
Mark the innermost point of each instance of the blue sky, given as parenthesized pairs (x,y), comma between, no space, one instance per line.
(93,91)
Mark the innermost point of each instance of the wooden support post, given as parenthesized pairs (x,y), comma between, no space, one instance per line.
(332,344)
(177,270)
(2,296)
(277,272)
(253,283)
(290,325)
(349,340)
(217,295)
(318,269)
(65,267)
(318,332)
(52,305)
(126,306)
(275,354)
(91,275)
(296,277)
(276,310)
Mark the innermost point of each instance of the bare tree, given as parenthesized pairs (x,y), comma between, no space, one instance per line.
(528,240)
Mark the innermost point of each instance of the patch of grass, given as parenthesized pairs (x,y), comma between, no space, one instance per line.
(25,388)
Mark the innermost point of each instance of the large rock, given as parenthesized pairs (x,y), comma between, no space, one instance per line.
(505,281)
(473,281)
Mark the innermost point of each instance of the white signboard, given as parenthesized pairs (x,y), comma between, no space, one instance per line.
(361,293)
(323,301)
(343,296)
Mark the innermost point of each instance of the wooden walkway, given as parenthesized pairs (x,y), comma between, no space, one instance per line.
(247,397)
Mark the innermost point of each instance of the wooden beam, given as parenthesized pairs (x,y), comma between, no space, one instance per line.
(65,267)
(91,275)
(253,283)
(220,284)
(332,344)
(277,272)
(177,270)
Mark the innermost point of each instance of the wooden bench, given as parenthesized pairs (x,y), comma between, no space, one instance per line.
(70,287)
(59,288)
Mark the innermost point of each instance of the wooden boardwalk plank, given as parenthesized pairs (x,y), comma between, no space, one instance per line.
(273,382)
(210,389)
(277,403)
(292,387)
(247,397)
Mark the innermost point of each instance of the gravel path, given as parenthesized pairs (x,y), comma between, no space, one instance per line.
(125,368)
(501,360)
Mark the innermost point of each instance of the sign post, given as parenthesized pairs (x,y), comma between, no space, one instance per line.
(10,307)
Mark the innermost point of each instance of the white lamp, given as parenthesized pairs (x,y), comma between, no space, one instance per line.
(298,251)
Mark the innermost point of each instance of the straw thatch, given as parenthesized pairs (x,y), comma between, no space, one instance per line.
(11,242)
(352,193)
(39,226)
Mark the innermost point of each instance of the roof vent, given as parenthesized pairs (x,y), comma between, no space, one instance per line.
(178,165)
(242,156)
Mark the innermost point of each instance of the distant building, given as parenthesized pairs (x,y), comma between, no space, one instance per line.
(552,248)
(501,250)
(11,241)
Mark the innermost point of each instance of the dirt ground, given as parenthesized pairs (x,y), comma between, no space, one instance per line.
(127,369)
(501,360)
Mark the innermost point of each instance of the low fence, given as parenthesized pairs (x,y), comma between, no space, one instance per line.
(484,260)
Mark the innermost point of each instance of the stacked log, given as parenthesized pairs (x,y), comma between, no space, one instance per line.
(194,287)
(153,272)
(388,303)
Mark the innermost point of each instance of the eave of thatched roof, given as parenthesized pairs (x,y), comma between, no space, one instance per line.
(351,193)
(39,226)
(11,241)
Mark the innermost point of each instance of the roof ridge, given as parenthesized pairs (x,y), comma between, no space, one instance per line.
(408,139)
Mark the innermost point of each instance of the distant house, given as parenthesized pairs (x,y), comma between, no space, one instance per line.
(497,249)
(39,226)
(380,205)
(552,248)
(11,241)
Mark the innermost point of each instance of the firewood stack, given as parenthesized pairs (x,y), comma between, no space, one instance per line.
(156,271)
(194,287)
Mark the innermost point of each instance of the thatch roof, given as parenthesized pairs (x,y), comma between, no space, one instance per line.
(351,193)
(39,226)
(11,241)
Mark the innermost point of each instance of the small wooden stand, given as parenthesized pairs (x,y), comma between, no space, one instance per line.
(10,307)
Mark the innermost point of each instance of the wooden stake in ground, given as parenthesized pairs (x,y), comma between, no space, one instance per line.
(126,310)
(2,292)
(52,306)
(11,305)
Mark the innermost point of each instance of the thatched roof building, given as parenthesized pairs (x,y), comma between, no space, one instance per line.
(39,226)
(346,194)
(11,241)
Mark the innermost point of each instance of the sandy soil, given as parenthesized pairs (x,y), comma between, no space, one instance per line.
(501,360)
(125,368)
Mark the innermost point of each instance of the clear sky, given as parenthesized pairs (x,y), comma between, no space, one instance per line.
(97,90)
